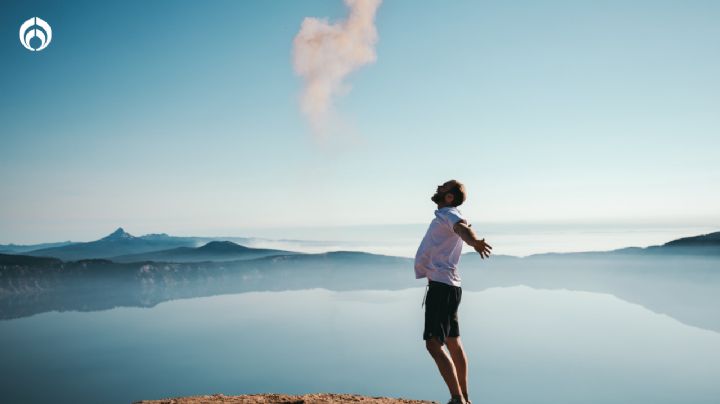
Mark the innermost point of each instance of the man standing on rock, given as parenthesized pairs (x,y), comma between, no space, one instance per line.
(437,259)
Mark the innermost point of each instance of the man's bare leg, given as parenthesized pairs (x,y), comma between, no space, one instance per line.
(459,359)
(445,365)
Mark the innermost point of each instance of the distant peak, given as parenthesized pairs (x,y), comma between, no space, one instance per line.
(118,234)
(223,246)
(120,231)
(711,239)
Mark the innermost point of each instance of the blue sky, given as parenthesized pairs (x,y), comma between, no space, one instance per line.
(183,116)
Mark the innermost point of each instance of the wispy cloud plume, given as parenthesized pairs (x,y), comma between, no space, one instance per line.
(324,54)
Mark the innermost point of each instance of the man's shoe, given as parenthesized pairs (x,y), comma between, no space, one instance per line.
(457,400)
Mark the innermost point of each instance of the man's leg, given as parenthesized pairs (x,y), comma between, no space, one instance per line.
(460,361)
(444,364)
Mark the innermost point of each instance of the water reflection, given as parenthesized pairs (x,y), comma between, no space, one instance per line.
(682,287)
(524,345)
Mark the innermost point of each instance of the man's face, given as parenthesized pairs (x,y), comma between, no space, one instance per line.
(439,196)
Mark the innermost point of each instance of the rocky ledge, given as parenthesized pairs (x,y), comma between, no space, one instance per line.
(317,398)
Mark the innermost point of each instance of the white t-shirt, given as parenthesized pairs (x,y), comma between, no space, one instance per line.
(439,251)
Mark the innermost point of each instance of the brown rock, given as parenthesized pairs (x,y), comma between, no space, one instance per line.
(316,398)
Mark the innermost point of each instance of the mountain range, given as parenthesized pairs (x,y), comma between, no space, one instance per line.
(702,245)
(121,246)
(669,279)
(217,251)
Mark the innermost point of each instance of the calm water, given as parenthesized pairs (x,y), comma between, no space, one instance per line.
(524,346)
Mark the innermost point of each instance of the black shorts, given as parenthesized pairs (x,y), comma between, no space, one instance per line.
(441,306)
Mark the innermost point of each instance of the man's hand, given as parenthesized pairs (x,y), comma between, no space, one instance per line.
(468,235)
(483,248)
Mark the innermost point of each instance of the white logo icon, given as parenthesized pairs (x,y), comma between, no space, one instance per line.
(29,30)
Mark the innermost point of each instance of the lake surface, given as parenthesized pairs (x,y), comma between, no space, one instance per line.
(524,345)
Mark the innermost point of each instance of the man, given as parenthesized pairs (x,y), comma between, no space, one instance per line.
(437,259)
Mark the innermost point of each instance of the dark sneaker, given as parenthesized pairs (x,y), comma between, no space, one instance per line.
(456,400)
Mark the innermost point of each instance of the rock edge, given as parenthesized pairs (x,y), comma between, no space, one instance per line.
(315,398)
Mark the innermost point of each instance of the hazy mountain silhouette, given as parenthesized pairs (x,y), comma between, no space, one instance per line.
(706,244)
(712,239)
(679,285)
(20,249)
(124,247)
(117,243)
(212,251)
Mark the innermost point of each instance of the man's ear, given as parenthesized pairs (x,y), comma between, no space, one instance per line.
(449,200)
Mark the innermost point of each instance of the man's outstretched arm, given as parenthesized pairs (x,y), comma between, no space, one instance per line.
(468,235)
